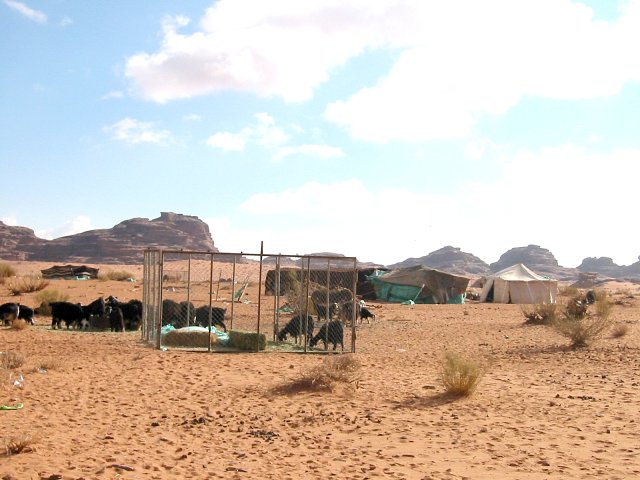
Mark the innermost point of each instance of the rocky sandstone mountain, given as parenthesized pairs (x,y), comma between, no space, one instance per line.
(606,267)
(126,242)
(538,259)
(449,259)
(123,243)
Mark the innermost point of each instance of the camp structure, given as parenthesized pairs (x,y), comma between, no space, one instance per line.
(519,284)
(70,271)
(290,278)
(420,284)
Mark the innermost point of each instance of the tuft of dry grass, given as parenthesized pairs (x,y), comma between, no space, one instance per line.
(333,371)
(117,275)
(460,376)
(19,324)
(541,314)
(11,360)
(7,270)
(582,332)
(569,291)
(620,330)
(47,364)
(47,296)
(27,285)
(19,444)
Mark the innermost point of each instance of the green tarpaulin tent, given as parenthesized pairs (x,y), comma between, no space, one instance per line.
(420,284)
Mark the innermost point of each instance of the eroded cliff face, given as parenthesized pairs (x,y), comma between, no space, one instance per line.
(538,259)
(449,259)
(15,242)
(605,266)
(123,243)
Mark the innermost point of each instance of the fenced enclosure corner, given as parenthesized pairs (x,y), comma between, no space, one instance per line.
(249,302)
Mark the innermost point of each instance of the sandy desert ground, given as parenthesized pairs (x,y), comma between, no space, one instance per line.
(111,407)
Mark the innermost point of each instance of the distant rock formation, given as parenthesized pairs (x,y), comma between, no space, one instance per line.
(16,242)
(124,243)
(538,259)
(605,266)
(449,259)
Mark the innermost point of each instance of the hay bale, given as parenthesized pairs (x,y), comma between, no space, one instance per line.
(247,340)
(189,338)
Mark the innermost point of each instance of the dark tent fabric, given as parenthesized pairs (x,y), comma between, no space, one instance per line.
(421,285)
(70,271)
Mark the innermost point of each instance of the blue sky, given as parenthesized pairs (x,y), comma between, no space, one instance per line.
(381,129)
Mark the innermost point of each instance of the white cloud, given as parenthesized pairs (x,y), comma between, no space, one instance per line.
(192,117)
(134,131)
(33,15)
(278,48)
(231,142)
(66,21)
(457,60)
(312,150)
(114,94)
(563,198)
(267,133)
(264,133)
(463,66)
(79,224)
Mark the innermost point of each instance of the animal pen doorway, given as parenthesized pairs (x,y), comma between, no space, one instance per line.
(264,302)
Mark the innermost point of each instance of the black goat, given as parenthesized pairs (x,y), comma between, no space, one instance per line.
(331,332)
(295,328)
(131,312)
(70,313)
(116,319)
(217,316)
(9,312)
(365,313)
(26,313)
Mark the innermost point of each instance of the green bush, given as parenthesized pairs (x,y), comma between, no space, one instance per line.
(247,340)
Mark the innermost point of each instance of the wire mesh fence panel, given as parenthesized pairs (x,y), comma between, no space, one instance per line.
(151,296)
(222,301)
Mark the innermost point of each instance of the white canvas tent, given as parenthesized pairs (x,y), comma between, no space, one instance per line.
(518,284)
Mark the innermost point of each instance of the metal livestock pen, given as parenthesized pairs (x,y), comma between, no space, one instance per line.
(207,300)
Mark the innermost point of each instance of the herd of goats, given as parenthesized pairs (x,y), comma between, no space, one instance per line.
(112,314)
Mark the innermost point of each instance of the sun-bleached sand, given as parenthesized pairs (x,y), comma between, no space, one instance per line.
(112,407)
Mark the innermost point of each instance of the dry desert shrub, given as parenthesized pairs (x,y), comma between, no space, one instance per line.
(47,296)
(460,376)
(569,291)
(603,305)
(576,307)
(333,371)
(27,285)
(47,364)
(582,332)
(118,275)
(7,270)
(620,330)
(541,314)
(11,360)
(19,444)
(586,329)
(19,324)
